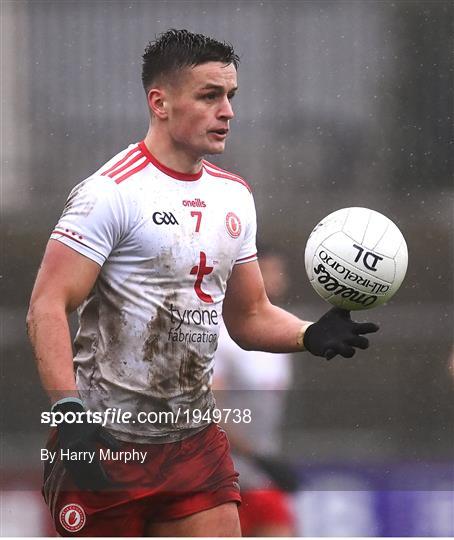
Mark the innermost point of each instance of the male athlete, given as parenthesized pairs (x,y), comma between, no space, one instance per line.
(151,249)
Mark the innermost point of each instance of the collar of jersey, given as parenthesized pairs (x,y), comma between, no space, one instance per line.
(169,172)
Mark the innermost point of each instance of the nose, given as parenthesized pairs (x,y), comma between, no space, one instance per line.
(226,109)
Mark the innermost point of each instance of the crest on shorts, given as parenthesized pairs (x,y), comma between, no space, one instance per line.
(233,224)
(72,517)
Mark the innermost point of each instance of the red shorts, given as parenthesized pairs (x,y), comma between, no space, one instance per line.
(176,480)
(264,507)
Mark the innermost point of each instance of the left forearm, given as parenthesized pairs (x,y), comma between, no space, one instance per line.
(270,329)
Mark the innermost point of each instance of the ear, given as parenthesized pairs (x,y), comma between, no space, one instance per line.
(157,102)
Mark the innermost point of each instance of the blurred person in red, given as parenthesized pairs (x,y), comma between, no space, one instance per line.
(151,249)
(259,381)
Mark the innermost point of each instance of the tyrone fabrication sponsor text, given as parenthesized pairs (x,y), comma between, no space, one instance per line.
(194,318)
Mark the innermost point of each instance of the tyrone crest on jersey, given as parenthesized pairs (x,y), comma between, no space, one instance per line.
(233,224)
(72,517)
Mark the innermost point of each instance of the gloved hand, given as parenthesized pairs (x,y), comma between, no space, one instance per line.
(335,333)
(82,437)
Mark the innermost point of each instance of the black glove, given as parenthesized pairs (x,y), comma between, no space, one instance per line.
(82,437)
(335,333)
(281,473)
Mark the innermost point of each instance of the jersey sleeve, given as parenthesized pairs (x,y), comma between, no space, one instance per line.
(93,219)
(248,250)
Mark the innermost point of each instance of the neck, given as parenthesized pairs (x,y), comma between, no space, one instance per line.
(165,151)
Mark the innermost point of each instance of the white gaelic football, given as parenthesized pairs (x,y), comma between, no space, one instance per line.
(356,258)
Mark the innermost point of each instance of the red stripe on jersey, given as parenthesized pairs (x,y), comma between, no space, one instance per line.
(169,172)
(246,258)
(69,236)
(132,171)
(130,162)
(228,176)
(225,174)
(56,231)
(212,166)
(129,154)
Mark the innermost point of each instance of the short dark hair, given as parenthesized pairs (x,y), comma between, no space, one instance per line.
(177,49)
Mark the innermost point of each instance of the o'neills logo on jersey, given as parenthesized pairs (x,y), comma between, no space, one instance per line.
(233,224)
(72,517)
(195,203)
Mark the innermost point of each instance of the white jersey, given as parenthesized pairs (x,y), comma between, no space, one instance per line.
(167,243)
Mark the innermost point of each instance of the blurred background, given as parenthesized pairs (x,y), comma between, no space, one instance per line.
(341,103)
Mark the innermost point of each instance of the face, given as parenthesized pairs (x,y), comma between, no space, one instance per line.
(199,108)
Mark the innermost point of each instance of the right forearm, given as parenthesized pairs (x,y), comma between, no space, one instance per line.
(50,337)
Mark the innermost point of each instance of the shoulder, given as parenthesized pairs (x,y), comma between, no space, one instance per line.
(94,198)
(98,192)
(217,172)
(124,165)
(116,178)
(95,186)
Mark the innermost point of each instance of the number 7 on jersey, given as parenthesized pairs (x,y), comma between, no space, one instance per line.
(198,215)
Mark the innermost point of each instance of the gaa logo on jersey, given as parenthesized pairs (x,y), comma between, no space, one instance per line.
(233,224)
(164,218)
(72,517)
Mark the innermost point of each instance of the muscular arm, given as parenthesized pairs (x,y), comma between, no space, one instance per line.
(252,321)
(64,280)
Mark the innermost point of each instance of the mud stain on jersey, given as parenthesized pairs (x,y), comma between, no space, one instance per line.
(188,370)
(158,351)
(114,325)
(157,327)
(87,337)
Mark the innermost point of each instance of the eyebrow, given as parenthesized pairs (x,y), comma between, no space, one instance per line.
(211,86)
